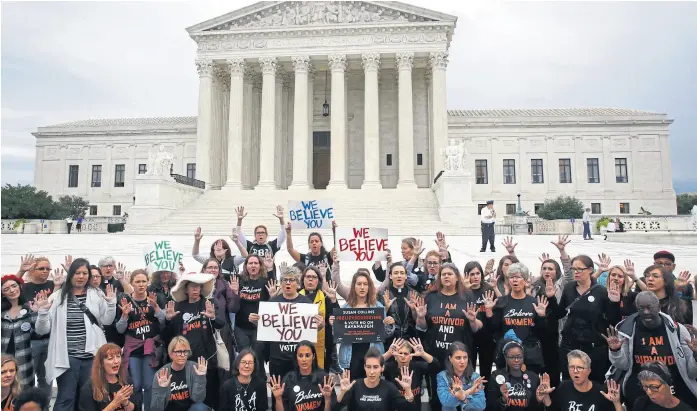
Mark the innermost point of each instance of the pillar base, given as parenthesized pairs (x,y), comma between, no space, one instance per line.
(232,185)
(266,185)
(371,185)
(406,184)
(337,185)
(300,185)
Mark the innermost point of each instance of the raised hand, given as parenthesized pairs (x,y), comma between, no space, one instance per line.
(613,392)
(489,269)
(202,367)
(268,262)
(328,388)
(210,310)
(613,292)
(418,247)
(126,308)
(169,311)
(489,300)
(405,380)
(682,279)
(276,387)
(41,302)
(478,385)
(283,267)
(508,244)
(289,229)
(396,345)
(550,289)
(545,388)
(235,284)
(58,277)
(466,281)
(541,306)
(629,268)
(329,289)
(240,213)
(182,269)
(120,269)
(198,235)
(561,243)
(421,307)
(279,213)
(235,235)
(272,288)
(693,338)
(604,263)
(110,294)
(388,301)
(68,262)
(411,301)
(494,280)
(152,300)
(614,342)
(417,346)
(388,256)
(163,377)
(345,382)
(27,263)
(322,267)
(456,388)
(544,257)
(471,312)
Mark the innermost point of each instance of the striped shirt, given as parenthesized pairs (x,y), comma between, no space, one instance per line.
(75,331)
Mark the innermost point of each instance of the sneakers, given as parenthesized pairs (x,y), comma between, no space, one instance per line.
(336,369)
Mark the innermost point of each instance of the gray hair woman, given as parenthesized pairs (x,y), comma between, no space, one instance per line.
(657,383)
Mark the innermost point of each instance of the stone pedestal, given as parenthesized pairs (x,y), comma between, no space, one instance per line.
(454,193)
(157,197)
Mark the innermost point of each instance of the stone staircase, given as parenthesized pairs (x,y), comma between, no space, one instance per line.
(402,212)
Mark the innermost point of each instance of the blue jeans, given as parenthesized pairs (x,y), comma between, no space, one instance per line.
(142,375)
(198,406)
(70,382)
(587,230)
(39,352)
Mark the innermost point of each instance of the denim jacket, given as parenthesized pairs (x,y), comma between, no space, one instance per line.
(475,402)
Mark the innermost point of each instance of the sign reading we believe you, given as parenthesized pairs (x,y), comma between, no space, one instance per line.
(287,322)
(159,256)
(361,244)
(311,214)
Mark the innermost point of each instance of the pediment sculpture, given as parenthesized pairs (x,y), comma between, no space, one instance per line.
(455,157)
(160,162)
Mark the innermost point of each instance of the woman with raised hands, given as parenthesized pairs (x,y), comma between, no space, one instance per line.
(446,315)
(141,320)
(109,389)
(362,294)
(588,309)
(580,392)
(181,384)
(661,281)
(316,255)
(521,313)
(306,387)
(550,269)
(323,293)
(245,390)
(261,245)
(513,387)
(399,357)
(10,385)
(74,316)
(397,301)
(497,280)
(625,278)
(459,386)
(372,393)
(162,282)
(220,250)
(17,324)
(483,341)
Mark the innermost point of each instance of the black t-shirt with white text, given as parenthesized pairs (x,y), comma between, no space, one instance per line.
(304,395)
(194,327)
(446,321)
(179,398)
(252,292)
(262,249)
(518,315)
(244,397)
(142,323)
(566,397)
(645,404)
(384,397)
(521,392)
(285,351)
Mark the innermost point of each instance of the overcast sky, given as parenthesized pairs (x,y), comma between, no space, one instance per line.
(79,60)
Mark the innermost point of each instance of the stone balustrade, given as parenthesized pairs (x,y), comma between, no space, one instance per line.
(651,223)
(90,225)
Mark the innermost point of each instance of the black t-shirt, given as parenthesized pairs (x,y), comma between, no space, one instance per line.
(566,397)
(314,260)
(304,395)
(589,316)
(29,292)
(118,288)
(262,249)
(627,306)
(179,398)
(517,315)
(446,321)
(384,397)
(113,390)
(653,345)
(485,333)
(521,392)
(420,368)
(645,404)
(285,351)
(8,404)
(142,323)
(244,397)
(251,293)
(194,326)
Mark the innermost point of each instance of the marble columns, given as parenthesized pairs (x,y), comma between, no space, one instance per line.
(404,62)
(371,127)
(439,63)
(337,65)
(203,129)
(248,156)
(236,129)
(301,135)
(268,123)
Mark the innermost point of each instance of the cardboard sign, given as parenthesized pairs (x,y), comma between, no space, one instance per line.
(361,244)
(287,322)
(159,256)
(359,325)
(311,214)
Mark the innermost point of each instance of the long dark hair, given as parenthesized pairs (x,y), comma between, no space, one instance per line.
(322,250)
(499,270)
(317,375)
(226,247)
(449,371)
(483,285)
(67,287)
(672,305)
(541,284)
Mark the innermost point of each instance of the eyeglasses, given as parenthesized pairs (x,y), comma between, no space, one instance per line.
(311,277)
(43,268)
(247,363)
(215,267)
(182,353)
(665,264)
(260,232)
(578,270)
(108,266)
(289,280)
(515,276)
(432,263)
(515,357)
(577,368)
(652,388)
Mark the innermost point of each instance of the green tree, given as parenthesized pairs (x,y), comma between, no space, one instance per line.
(685,202)
(26,202)
(72,206)
(561,208)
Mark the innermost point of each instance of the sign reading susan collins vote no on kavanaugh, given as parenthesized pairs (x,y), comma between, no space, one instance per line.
(359,325)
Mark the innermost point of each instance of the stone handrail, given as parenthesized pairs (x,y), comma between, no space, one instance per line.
(650,223)
(92,225)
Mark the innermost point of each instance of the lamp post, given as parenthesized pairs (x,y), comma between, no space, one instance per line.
(519,211)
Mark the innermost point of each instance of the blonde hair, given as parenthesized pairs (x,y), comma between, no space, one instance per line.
(627,287)
(16,387)
(176,341)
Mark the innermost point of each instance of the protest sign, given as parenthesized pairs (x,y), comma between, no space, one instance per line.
(311,214)
(159,256)
(287,322)
(359,325)
(361,244)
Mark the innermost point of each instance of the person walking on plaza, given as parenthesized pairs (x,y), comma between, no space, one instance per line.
(488,216)
(587,224)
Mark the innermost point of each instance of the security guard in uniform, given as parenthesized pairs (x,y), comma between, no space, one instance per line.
(488,216)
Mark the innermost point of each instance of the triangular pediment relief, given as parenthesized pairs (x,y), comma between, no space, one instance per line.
(320,13)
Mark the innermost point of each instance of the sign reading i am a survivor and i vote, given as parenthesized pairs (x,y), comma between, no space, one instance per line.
(359,325)
(159,256)
(311,214)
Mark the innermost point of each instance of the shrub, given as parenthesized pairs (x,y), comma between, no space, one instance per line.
(561,208)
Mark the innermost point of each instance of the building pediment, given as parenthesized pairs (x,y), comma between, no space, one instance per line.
(303,14)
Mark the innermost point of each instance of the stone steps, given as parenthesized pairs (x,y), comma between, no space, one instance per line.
(402,212)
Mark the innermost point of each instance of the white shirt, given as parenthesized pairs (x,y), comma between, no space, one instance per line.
(586,217)
(611,227)
(487,216)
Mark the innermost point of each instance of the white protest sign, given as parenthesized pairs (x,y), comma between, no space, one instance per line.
(361,244)
(287,322)
(311,214)
(159,256)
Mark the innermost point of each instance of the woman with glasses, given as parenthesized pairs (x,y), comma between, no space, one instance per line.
(399,357)
(579,392)
(323,294)
(588,309)
(17,324)
(246,390)
(660,281)
(513,388)
(261,245)
(220,251)
(96,279)
(227,301)
(656,381)
(306,387)
(498,281)
(650,335)
(181,384)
